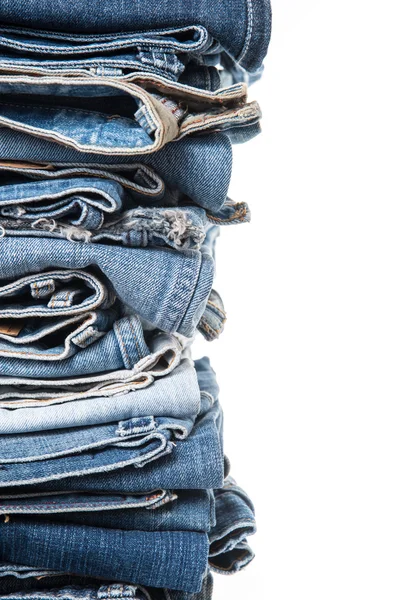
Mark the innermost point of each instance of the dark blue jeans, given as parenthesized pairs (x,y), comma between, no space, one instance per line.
(242,27)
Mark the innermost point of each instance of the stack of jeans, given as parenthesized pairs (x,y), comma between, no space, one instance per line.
(117,121)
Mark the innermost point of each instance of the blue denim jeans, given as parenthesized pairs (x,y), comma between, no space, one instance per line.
(172,559)
(176,395)
(106,116)
(226,514)
(95,199)
(202,165)
(165,353)
(165,52)
(32,458)
(69,587)
(196,463)
(53,315)
(241,27)
(158,510)
(167,289)
(228,549)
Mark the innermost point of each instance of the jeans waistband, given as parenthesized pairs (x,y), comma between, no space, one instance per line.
(132,120)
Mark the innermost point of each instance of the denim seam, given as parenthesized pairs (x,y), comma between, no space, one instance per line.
(233,525)
(99,294)
(164,449)
(138,348)
(249,32)
(60,508)
(124,349)
(104,444)
(64,194)
(104,46)
(123,181)
(240,114)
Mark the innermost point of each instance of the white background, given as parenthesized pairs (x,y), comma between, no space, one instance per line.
(309,363)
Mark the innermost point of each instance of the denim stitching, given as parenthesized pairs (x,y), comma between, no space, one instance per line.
(249,31)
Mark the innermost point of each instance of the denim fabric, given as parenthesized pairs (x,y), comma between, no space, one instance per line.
(196,463)
(187,54)
(70,507)
(175,559)
(229,551)
(51,316)
(180,228)
(123,346)
(164,52)
(213,319)
(32,458)
(169,289)
(159,510)
(202,165)
(22,572)
(89,198)
(102,115)
(165,354)
(175,396)
(50,587)
(227,514)
(242,27)
(25,187)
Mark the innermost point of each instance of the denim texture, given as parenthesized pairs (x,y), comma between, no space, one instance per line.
(117,121)
(165,353)
(103,115)
(70,587)
(158,510)
(242,27)
(228,549)
(33,458)
(202,165)
(196,463)
(168,289)
(172,559)
(177,396)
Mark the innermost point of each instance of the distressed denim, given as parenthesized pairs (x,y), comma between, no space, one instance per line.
(65,201)
(175,396)
(180,228)
(102,115)
(196,463)
(202,165)
(69,587)
(166,288)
